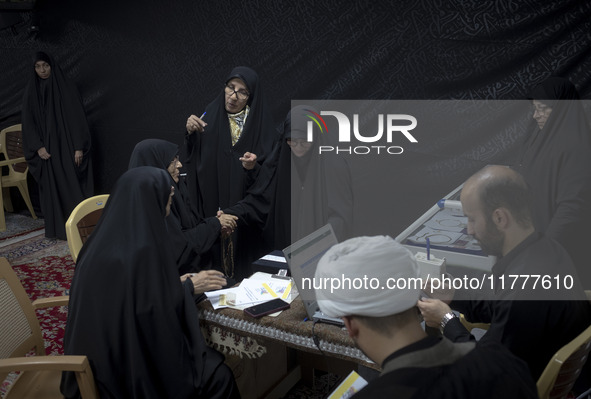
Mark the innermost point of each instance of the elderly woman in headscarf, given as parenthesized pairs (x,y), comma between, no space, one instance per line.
(56,143)
(129,313)
(192,237)
(312,189)
(224,150)
(556,163)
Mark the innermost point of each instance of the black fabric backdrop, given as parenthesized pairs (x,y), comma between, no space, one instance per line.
(143,66)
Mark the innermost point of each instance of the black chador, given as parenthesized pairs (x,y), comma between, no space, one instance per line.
(130,313)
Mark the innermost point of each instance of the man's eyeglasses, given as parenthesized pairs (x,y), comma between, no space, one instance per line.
(241,94)
(301,143)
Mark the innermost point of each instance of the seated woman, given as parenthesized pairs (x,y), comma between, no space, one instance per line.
(192,236)
(128,311)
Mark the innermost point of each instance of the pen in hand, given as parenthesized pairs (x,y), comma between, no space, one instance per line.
(204,123)
(195,124)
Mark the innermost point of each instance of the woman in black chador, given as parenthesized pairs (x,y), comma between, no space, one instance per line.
(556,163)
(191,235)
(130,313)
(56,143)
(311,189)
(224,150)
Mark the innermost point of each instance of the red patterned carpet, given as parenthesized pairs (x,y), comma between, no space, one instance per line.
(47,277)
(45,269)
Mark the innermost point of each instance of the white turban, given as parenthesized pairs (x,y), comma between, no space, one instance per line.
(367,276)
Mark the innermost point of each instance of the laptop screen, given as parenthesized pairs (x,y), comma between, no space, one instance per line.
(302,258)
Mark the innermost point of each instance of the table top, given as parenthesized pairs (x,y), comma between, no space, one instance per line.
(290,328)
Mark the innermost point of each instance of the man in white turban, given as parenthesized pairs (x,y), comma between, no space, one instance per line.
(372,284)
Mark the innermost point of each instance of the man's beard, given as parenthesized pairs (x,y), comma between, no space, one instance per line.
(358,347)
(492,240)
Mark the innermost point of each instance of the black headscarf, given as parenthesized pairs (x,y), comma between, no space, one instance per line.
(311,190)
(212,162)
(160,153)
(191,235)
(128,311)
(53,117)
(52,107)
(553,89)
(216,178)
(556,163)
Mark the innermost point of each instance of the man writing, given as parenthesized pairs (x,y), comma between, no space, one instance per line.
(532,322)
(385,325)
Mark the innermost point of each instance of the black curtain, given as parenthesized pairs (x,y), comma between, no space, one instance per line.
(143,66)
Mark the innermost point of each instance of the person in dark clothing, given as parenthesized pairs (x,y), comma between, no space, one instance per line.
(223,153)
(533,322)
(385,325)
(129,313)
(192,237)
(311,189)
(56,143)
(556,163)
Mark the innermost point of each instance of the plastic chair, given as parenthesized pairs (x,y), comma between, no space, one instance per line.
(20,334)
(82,222)
(11,146)
(564,368)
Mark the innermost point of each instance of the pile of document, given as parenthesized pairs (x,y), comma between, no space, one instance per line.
(258,288)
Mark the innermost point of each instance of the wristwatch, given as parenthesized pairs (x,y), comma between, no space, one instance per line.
(446,318)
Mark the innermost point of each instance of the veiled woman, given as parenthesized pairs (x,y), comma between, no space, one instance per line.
(192,236)
(556,163)
(129,312)
(56,142)
(224,150)
(312,189)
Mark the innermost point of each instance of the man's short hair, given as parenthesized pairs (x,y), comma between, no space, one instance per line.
(509,191)
(388,325)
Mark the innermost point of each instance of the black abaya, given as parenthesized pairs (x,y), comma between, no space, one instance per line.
(215,175)
(192,237)
(556,163)
(53,117)
(129,312)
(311,190)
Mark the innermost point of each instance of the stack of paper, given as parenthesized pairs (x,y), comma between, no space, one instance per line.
(260,287)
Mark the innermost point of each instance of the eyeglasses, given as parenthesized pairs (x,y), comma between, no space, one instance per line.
(240,94)
(541,108)
(174,162)
(301,143)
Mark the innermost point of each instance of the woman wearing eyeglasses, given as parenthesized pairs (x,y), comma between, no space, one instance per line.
(128,310)
(224,149)
(190,235)
(312,189)
(556,163)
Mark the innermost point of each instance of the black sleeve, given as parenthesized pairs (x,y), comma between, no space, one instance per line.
(456,332)
(251,175)
(340,198)
(255,207)
(204,235)
(189,286)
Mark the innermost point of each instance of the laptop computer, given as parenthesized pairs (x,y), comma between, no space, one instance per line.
(302,258)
